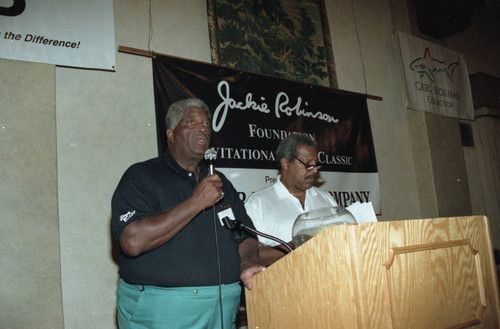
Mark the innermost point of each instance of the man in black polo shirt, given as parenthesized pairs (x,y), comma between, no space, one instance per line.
(177,263)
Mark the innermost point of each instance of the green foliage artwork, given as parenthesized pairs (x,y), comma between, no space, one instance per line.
(283,38)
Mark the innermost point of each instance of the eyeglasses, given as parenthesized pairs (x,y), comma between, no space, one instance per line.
(309,166)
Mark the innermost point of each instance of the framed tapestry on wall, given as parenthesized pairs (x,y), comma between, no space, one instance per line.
(283,38)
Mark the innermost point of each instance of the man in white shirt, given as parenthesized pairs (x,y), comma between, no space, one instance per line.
(275,208)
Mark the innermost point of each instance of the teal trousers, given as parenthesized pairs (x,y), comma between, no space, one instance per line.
(151,307)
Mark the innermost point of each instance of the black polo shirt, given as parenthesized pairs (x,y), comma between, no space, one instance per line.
(189,258)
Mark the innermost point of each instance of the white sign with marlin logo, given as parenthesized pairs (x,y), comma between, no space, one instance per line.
(436,78)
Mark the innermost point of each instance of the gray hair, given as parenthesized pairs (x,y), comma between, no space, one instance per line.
(288,147)
(176,111)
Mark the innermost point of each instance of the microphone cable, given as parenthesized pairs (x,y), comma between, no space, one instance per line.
(218,266)
(211,155)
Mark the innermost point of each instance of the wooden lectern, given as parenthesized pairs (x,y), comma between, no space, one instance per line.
(426,273)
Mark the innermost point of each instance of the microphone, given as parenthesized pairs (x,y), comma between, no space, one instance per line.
(210,156)
(236,225)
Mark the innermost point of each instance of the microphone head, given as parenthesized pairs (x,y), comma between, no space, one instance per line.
(210,154)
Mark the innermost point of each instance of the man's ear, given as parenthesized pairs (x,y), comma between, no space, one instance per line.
(284,164)
(170,136)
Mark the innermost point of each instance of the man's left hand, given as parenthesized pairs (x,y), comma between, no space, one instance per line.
(248,273)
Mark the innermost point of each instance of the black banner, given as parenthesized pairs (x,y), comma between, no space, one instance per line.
(252,113)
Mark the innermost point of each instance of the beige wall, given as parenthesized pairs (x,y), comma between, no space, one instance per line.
(70,134)
(369,65)
(481,50)
(30,272)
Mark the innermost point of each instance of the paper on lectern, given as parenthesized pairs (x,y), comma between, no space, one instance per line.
(363,212)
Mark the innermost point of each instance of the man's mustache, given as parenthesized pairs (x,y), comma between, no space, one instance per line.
(312,176)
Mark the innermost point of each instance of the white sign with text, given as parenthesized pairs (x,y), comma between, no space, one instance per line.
(62,32)
(436,78)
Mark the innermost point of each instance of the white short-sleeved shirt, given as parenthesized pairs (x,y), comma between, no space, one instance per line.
(274,209)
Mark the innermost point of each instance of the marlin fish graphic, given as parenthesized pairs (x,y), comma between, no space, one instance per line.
(428,65)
